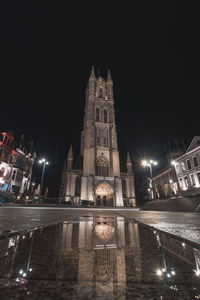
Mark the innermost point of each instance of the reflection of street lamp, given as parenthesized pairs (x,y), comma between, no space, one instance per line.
(149,163)
(44,162)
(174,164)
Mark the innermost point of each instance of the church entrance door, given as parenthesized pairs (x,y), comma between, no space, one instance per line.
(104,194)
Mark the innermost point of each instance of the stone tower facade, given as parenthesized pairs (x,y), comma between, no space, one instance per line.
(100,180)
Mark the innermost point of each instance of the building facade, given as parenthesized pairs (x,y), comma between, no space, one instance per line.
(187,168)
(100,180)
(16,162)
(166,184)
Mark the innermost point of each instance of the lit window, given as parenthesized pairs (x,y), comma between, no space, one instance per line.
(198,175)
(183,166)
(192,179)
(186,181)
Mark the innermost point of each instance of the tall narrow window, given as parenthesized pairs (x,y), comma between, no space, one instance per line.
(186,181)
(192,179)
(100,93)
(189,164)
(195,161)
(124,188)
(102,165)
(97,114)
(78,187)
(105,116)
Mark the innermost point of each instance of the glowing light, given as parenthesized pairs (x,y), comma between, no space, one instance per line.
(30,269)
(159,272)
(21,272)
(197,272)
(144,163)
(24,274)
(183,244)
(173,163)
(173,272)
(168,275)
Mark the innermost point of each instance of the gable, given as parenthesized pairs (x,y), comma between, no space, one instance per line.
(194,144)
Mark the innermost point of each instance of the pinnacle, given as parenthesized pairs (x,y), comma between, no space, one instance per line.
(70,154)
(109,78)
(92,74)
(128,157)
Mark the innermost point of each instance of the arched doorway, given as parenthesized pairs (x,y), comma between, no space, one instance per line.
(104,194)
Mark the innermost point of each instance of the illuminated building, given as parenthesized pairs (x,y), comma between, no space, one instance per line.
(99,181)
(187,168)
(165,183)
(15,164)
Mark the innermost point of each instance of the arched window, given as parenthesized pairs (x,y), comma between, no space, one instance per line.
(100,93)
(97,114)
(124,188)
(105,116)
(78,186)
(102,165)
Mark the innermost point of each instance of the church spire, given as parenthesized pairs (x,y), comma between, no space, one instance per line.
(70,159)
(129,164)
(92,74)
(109,78)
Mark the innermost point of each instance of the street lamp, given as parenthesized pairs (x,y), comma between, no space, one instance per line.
(149,163)
(44,162)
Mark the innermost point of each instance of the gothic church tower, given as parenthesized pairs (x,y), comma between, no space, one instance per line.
(100,180)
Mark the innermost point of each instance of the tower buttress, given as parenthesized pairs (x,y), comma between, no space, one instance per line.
(129,164)
(70,159)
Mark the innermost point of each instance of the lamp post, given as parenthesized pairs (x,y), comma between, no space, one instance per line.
(44,162)
(149,163)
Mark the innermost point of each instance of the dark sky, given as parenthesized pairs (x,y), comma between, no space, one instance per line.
(151,48)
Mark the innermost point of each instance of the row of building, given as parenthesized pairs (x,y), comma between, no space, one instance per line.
(182,176)
(16,162)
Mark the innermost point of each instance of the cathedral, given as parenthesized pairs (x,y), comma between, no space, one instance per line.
(99,181)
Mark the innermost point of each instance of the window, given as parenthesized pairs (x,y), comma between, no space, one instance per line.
(178,169)
(100,93)
(198,175)
(183,166)
(97,114)
(102,165)
(186,181)
(192,179)
(124,188)
(181,183)
(195,161)
(78,187)
(13,175)
(105,118)
(97,136)
(189,164)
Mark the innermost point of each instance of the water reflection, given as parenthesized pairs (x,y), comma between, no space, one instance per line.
(98,258)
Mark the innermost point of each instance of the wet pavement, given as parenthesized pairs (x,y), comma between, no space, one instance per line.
(97,257)
(17,219)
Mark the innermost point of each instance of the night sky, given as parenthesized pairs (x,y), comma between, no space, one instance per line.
(151,48)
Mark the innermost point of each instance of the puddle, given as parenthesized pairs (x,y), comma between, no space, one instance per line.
(98,258)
